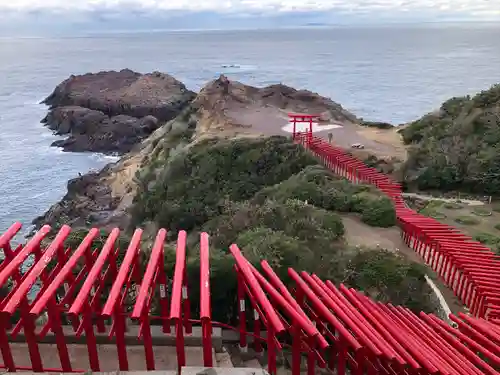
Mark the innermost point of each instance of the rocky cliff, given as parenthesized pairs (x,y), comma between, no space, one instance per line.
(112,111)
(223,109)
(225,104)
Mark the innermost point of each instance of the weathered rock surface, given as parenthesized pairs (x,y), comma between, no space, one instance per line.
(94,131)
(112,111)
(85,194)
(103,198)
(224,104)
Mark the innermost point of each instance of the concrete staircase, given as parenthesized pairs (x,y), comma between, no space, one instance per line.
(165,356)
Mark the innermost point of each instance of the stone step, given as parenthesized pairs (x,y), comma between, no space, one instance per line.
(188,370)
(252,363)
(224,359)
(165,357)
(159,338)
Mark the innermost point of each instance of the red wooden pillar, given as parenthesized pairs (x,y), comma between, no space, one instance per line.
(294,120)
(241,312)
(296,340)
(205,303)
(310,129)
(257,345)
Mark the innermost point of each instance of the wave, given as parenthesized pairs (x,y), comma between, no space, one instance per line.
(104,157)
(38,195)
(239,67)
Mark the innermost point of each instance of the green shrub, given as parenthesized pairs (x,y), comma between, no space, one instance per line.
(431,209)
(455,148)
(309,224)
(271,198)
(467,220)
(452,206)
(321,188)
(378,212)
(383,275)
(279,249)
(497,226)
(487,238)
(437,215)
(479,211)
(189,191)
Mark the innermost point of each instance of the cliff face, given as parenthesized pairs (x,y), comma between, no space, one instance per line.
(102,198)
(112,111)
(94,131)
(223,109)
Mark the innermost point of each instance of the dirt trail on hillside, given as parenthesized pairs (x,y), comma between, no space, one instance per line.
(359,234)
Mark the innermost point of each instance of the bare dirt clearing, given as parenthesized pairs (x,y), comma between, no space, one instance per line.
(359,234)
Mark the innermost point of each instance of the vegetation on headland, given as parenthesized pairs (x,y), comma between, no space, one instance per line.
(376,124)
(277,203)
(456,148)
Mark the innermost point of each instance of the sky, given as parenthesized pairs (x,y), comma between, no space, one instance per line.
(64,15)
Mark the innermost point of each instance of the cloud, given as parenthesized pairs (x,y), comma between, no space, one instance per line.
(75,17)
(475,8)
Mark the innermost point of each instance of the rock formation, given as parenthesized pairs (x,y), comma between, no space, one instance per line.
(223,109)
(223,103)
(112,111)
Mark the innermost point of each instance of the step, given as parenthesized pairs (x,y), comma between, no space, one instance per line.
(223,371)
(252,363)
(223,359)
(159,338)
(165,357)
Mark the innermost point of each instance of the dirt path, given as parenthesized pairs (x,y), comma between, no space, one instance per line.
(359,234)
(388,138)
(273,121)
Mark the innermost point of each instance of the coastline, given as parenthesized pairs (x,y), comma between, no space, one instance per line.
(222,108)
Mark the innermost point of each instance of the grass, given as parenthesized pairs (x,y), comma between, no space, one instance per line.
(493,242)
(479,222)
(432,210)
(453,206)
(467,220)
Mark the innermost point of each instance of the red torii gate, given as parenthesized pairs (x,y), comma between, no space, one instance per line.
(335,328)
(475,267)
(296,118)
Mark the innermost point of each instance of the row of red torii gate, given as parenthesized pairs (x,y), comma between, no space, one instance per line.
(330,327)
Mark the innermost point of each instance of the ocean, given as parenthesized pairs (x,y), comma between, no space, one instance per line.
(393,74)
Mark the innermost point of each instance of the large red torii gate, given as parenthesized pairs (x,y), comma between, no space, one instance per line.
(335,328)
(469,268)
(303,118)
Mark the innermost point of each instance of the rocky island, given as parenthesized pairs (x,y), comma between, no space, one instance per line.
(110,112)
